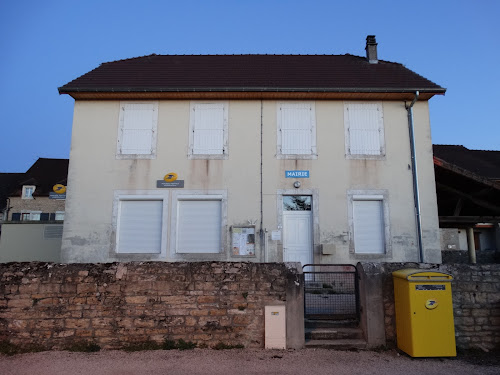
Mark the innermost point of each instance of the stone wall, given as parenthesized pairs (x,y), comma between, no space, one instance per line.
(116,305)
(476,301)
(462,257)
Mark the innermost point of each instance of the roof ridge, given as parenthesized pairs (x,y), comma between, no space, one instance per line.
(52,159)
(245,54)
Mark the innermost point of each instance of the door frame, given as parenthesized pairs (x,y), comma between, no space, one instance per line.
(315,217)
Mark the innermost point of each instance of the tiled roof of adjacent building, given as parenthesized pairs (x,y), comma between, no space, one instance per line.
(481,162)
(44,174)
(251,73)
(8,181)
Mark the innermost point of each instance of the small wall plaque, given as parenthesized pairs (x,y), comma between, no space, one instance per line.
(161,184)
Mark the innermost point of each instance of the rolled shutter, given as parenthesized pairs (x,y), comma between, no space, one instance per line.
(140,226)
(369,233)
(199,226)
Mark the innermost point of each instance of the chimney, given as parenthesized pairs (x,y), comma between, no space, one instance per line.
(371,49)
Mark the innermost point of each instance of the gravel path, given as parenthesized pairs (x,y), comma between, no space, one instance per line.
(236,362)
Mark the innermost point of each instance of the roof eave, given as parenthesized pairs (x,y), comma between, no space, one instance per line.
(465,172)
(70,90)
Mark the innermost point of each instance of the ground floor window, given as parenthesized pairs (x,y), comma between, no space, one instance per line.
(198,221)
(368,219)
(140,221)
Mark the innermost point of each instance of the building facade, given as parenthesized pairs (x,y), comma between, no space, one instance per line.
(34,208)
(252,157)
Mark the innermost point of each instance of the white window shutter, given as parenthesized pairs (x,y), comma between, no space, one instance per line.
(137,127)
(369,232)
(208,137)
(199,226)
(296,128)
(365,127)
(140,226)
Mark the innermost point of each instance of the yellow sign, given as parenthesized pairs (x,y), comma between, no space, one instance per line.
(59,189)
(170,177)
(431,304)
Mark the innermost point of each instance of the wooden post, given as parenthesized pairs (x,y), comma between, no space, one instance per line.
(471,245)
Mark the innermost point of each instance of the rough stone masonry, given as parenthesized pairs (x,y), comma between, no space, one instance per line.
(54,306)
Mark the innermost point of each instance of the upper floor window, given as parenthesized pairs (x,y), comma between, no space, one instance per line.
(137,130)
(364,130)
(296,131)
(30,215)
(28,191)
(208,131)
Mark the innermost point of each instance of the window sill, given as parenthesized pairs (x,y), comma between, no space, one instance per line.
(135,156)
(208,157)
(297,156)
(365,157)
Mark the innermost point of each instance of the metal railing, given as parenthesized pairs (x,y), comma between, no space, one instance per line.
(331,292)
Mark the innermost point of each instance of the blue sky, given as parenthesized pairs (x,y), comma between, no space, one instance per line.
(45,44)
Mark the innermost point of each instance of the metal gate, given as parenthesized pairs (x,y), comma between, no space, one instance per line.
(331,292)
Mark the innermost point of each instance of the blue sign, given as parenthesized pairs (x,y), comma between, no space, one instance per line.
(297,174)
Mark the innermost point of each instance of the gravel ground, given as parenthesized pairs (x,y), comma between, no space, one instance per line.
(243,361)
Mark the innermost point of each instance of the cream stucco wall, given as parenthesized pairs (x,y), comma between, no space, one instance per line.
(95,174)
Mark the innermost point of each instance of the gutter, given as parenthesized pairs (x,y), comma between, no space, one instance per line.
(416,194)
(69,90)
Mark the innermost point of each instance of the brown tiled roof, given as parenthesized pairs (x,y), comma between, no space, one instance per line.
(247,73)
(481,162)
(8,181)
(44,174)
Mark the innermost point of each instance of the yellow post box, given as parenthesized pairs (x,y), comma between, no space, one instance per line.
(424,313)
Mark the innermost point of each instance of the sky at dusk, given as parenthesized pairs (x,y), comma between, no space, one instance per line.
(45,44)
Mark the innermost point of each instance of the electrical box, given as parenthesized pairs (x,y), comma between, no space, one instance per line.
(328,249)
(275,327)
(424,313)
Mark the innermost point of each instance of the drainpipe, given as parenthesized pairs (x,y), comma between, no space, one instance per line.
(263,235)
(416,194)
(7,209)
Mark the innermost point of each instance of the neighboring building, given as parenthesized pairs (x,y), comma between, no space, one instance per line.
(277,158)
(468,194)
(34,213)
(8,182)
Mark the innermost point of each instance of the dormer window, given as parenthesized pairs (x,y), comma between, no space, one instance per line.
(28,191)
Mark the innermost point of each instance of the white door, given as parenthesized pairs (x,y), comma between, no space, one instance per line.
(297,229)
